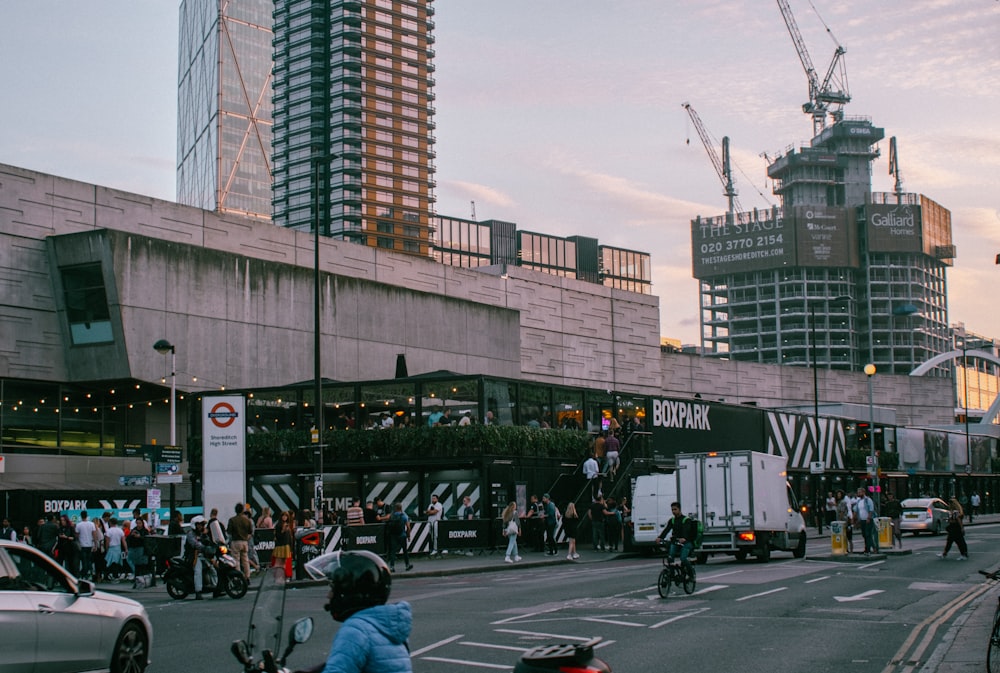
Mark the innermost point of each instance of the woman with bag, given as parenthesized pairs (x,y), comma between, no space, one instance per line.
(511,529)
(284,535)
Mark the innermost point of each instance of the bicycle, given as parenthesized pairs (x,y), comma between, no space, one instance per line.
(993,651)
(675,573)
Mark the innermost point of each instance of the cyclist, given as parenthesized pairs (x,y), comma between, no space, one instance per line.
(685,531)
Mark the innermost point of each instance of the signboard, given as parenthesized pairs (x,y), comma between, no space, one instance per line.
(893,227)
(169,479)
(720,245)
(170,454)
(153,498)
(167,468)
(824,237)
(223,451)
(693,426)
(154,452)
(135,480)
(817,467)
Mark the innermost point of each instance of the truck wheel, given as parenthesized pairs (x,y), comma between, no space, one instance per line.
(764,552)
(741,555)
(800,549)
(702,558)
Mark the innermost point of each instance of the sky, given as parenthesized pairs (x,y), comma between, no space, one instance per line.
(566,117)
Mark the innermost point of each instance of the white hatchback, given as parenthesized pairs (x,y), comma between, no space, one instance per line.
(52,621)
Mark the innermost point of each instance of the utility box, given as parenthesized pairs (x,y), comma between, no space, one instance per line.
(838,538)
(884,524)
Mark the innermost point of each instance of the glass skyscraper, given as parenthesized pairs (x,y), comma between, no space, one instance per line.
(353,120)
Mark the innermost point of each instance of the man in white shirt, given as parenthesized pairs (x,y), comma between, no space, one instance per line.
(591,470)
(85,537)
(434,514)
(864,510)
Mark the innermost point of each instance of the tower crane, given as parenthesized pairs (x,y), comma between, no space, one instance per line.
(722,165)
(832,89)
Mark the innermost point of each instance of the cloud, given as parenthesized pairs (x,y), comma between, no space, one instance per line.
(480,193)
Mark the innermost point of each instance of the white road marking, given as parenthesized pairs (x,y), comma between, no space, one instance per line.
(526,615)
(681,616)
(709,589)
(863,596)
(466,662)
(763,593)
(537,634)
(609,621)
(469,643)
(717,575)
(432,646)
(818,579)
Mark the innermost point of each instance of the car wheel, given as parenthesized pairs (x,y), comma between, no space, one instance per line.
(237,586)
(800,549)
(131,653)
(741,555)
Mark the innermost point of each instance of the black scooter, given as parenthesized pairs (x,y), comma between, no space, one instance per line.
(179,576)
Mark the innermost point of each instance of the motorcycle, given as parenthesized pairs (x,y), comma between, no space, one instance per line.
(179,576)
(257,651)
(578,658)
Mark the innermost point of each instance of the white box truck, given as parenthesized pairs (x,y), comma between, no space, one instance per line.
(744,502)
(651,498)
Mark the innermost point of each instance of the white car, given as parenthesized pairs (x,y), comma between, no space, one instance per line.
(924,515)
(52,621)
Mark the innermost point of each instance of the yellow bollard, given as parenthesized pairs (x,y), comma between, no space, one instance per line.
(884,532)
(838,538)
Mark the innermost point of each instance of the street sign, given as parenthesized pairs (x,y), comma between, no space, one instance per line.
(169,479)
(817,467)
(167,468)
(154,452)
(869,460)
(153,498)
(170,454)
(135,480)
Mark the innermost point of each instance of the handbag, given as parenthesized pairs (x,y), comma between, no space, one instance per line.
(512,528)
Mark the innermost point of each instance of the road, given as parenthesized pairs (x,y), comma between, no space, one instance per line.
(815,615)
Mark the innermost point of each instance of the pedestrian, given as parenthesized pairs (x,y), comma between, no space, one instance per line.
(975,501)
(115,544)
(252,542)
(864,513)
(845,514)
(466,512)
(397,530)
(626,511)
(571,521)
(831,508)
(240,530)
(956,535)
(215,530)
(26,536)
(534,527)
(85,535)
(435,512)
(7,531)
(612,448)
(955,506)
(355,515)
(892,509)
(612,524)
(597,515)
(100,545)
(136,546)
(592,472)
(511,530)
(66,546)
(47,535)
(265,520)
(550,516)
(284,536)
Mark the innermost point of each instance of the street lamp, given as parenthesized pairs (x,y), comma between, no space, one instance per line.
(965,384)
(163,347)
(870,372)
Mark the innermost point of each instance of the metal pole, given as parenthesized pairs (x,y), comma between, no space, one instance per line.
(173,420)
(812,331)
(318,414)
(870,371)
(965,380)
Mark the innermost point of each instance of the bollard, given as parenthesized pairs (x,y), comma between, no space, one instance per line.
(838,538)
(884,531)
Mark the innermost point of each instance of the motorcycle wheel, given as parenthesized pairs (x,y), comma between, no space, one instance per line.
(175,588)
(237,586)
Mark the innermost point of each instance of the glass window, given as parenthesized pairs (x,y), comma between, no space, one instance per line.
(501,398)
(458,397)
(568,408)
(535,406)
(86,304)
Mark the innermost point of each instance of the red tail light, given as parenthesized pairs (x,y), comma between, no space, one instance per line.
(312,538)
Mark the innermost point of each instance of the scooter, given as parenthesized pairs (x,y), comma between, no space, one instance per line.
(257,652)
(578,658)
(179,576)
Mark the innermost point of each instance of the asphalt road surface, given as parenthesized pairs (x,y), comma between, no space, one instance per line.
(788,615)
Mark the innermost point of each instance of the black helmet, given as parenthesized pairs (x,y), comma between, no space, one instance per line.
(358,580)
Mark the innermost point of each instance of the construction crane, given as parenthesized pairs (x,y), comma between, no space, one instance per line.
(894,169)
(722,165)
(832,89)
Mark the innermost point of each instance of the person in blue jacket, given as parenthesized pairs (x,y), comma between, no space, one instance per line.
(373,638)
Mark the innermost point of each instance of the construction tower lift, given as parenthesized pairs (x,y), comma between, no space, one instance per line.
(832,90)
(722,165)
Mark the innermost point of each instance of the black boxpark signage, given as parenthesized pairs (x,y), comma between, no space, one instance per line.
(893,227)
(693,426)
(463,534)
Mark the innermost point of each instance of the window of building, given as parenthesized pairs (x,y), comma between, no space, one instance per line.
(385,227)
(86,304)
(384,242)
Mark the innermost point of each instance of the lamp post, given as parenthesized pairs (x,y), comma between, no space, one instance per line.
(870,372)
(965,403)
(163,347)
(317,375)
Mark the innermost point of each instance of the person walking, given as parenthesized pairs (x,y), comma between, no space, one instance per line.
(974,501)
(511,530)
(612,524)
(284,536)
(85,535)
(864,513)
(397,530)
(845,514)
(66,546)
(240,530)
(551,520)
(571,521)
(956,535)
(596,515)
(7,531)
